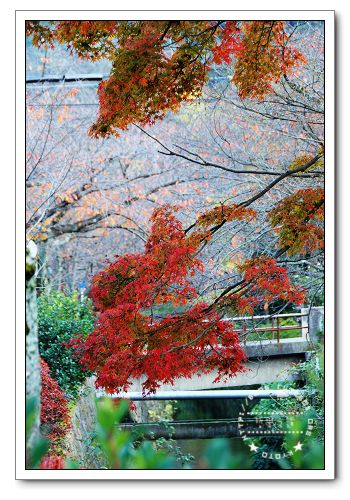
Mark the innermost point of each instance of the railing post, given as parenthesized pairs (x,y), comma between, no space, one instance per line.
(244,332)
(305,323)
(278,330)
(315,320)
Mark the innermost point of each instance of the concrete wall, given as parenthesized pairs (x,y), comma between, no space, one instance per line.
(258,373)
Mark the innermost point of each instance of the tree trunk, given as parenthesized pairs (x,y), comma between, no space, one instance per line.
(33,384)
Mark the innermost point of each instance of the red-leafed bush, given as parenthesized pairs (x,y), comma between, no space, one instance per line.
(52,461)
(54,416)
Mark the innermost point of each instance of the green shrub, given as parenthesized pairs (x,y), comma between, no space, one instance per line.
(310,406)
(60,318)
(120,447)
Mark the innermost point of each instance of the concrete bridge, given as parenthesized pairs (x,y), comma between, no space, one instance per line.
(268,360)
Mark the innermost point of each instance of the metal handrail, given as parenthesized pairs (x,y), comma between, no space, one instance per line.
(267,316)
(206,394)
(245,330)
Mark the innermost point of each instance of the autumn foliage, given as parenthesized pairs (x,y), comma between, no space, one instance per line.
(264,56)
(264,281)
(225,213)
(54,416)
(298,220)
(130,342)
(157,65)
(146,80)
(52,461)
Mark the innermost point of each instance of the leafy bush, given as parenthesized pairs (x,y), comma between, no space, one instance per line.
(52,462)
(60,318)
(120,447)
(124,450)
(54,415)
(310,407)
(36,450)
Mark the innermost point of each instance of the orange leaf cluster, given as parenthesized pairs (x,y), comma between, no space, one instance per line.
(157,65)
(230,43)
(264,56)
(298,219)
(265,281)
(225,213)
(147,80)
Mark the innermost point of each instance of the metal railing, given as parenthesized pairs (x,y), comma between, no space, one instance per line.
(250,324)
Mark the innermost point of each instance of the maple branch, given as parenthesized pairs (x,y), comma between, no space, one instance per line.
(64,204)
(278,254)
(303,261)
(129,229)
(254,198)
(243,282)
(166,30)
(194,35)
(289,173)
(190,342)
(33,221)
(92,223)
(204,163)
(267,114)
(228,290)
(95,236)
(79,226)
(44,145)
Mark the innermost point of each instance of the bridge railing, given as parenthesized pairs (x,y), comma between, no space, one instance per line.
(254,328)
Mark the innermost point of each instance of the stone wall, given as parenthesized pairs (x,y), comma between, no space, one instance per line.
(81,439)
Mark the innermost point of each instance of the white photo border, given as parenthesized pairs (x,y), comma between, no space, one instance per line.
(323,15)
